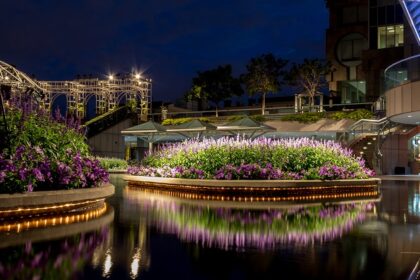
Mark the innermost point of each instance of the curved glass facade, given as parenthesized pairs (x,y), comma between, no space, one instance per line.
(403,71)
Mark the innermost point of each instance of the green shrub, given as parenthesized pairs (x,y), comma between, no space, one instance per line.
(310,117)
(53,137)
(257,118)
(178,121)
(113,163)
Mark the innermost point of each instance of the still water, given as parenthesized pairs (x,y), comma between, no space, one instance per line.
(146,235)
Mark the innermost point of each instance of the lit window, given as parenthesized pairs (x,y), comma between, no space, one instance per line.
(390,36)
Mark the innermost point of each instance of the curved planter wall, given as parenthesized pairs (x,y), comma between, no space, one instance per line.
(46,202)
(258,190)
(403,99)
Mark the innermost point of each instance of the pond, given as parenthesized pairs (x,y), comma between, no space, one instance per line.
(148,235)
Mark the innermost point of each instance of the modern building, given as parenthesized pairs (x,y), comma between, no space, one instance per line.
(365,37)
(374,49)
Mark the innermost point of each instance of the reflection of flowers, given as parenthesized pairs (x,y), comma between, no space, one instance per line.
(53,260)
(225,227)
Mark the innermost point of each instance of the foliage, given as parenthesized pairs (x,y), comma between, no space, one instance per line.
(261,158)
(178,121)
(311,117)
(44,152)
(352,115)
(55,138)
(112,163)
(31,169)
(309,76)
(263,76)
(214,85)
(307,117)
(257,118)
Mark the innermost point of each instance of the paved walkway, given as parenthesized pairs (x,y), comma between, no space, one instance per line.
(400,177)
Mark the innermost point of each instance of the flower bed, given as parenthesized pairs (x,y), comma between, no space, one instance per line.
(41,152)
(258,159)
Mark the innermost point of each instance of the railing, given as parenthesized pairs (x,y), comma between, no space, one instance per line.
(100,123)
(362,128)
(270,112)
(401,72)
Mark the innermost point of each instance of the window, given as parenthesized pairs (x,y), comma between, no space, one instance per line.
(390,36)
(350,47)
(352,91)
(353,14)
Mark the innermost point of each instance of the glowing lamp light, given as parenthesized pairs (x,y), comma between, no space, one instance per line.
(137,76)
(111,77)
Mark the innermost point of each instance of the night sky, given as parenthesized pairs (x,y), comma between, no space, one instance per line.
(168,40)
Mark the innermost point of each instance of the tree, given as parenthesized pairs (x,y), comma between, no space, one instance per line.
(263,76)
(214,85)
(309,77)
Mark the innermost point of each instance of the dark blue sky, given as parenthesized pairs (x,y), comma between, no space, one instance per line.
(168,39)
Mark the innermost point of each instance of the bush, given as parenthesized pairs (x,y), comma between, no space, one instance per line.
(30,169)
(113,163)
(44,153)
(257,118)
(182,120)
(55,138)
(309,117)
(228,158)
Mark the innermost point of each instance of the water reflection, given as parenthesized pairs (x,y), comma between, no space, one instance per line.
(54,247)
(55,259)
(226,225)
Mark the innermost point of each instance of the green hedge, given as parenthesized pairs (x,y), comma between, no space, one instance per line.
(310,117)
(113,163)
(178,121)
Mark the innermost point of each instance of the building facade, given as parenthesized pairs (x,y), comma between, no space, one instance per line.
(365,37)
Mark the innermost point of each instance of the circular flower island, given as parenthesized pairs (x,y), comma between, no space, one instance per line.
(45,164)
(258,169)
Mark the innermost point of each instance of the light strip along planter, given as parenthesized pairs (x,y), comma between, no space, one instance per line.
(53,202)
(259,190)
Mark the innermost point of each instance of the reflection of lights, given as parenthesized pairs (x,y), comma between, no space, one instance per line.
(107,263)
(371,190)
(135,264)
(53,221)
(35,210)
